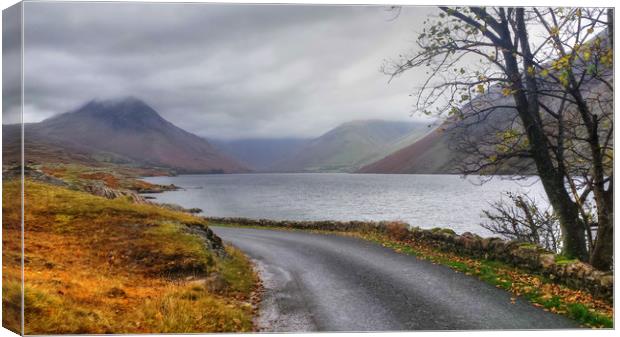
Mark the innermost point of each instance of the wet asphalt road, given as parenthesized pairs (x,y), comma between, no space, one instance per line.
(316,282)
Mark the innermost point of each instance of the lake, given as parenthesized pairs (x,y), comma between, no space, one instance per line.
(420,200)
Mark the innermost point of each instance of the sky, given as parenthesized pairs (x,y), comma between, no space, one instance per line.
(220,70)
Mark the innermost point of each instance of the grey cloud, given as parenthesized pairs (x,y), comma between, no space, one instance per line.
(11,62)
(226,71)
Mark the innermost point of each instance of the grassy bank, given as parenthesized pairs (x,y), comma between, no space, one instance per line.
(537,289)
(94,265)
(112,176)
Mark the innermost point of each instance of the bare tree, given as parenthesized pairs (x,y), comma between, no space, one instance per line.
(544,76)
(521,219)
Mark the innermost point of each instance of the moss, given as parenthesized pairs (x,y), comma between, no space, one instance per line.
(442,230)
(564,261)
(528,245)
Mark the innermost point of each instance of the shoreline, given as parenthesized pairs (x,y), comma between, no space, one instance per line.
(426,201)
(527,256)
(501,176)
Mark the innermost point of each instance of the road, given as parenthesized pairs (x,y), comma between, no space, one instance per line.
(319,282)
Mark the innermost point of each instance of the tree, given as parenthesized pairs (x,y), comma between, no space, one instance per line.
(520,218)
(548,74)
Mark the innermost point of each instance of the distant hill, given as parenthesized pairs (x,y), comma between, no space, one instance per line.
(441,151)
(429,155)
(351,145)
(259,154)
(125,130)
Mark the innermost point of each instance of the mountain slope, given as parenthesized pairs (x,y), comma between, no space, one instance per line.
(448,148)
(457,146)
(128,130)
(38,149)
(431,154)
(349,146)
(442,150)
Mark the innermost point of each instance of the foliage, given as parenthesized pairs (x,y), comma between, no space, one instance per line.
(397,230)
(530,87)
(538,290)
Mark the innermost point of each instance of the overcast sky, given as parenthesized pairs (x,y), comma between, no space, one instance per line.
(223,71)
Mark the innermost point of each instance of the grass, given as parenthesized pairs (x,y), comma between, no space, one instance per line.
(11,259)
(537,289)
(95,265)
(116,177)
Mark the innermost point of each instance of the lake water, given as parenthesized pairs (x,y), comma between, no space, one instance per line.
(420,200)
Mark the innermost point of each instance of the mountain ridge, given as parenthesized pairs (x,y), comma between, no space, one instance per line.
(130,130)
(348,146)
(442,152)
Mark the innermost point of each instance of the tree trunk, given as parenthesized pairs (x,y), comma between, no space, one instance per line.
(573,230)
(610,26)
(601,256)
(526,102)
(603,253)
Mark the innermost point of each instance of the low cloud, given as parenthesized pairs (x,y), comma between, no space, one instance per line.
(222,70)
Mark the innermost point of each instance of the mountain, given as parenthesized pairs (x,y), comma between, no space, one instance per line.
(349,146)
(430,154)
(259,154)
(441,151)
(39,150)
(130,131)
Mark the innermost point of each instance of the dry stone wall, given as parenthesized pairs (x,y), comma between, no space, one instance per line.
(575,274)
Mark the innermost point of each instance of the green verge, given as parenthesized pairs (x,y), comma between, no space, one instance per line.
(537,289)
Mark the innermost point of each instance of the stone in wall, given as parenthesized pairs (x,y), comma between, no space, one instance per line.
(528,256)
